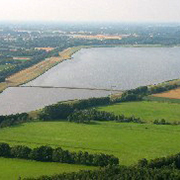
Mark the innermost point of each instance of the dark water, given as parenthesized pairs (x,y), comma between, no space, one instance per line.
(124,68)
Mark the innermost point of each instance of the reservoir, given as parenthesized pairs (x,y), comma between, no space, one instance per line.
(102,68)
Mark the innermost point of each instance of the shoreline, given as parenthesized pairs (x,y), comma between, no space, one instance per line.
(31,73)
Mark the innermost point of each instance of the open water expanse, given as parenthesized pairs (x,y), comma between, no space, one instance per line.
(121,68)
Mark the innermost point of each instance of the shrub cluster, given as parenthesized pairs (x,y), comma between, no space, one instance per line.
(87,115)
(133,94)
(63,110)
(48,154)
(162,88)
(117,173)
(169,161)
(164,122)
(10,120)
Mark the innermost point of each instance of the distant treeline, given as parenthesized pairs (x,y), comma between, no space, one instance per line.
(48,154)
(10,120)
(81,116)
(137,94)
(165,168)
(162,88)
(63,110)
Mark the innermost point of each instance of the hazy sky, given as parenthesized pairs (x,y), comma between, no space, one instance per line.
(90,10)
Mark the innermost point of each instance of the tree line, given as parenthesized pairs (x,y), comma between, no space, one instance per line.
(82,116)
(10,120)
(48,154)
(118,172)
(165,168)
(63,110)
(137,94)
(169,161)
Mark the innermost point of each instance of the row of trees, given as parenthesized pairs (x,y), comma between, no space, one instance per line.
(137,94)
(48,154)
(162,88)
(63,110)
(81,116)
(164,122)
(164,168)
(169,161)
(133,94)
(10,120)
(117,173)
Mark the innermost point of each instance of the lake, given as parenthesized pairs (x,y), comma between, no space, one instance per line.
(120,67)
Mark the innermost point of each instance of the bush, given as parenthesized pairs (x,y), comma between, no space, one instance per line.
(20,152)
(4,150)
(42,153)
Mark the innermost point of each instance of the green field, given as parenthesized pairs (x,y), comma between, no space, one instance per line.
(162,99)
(12,169)
(130,142)
(146,110)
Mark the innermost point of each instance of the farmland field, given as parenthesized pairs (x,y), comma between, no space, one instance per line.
(130,142)
(12,169)
(36,70)
(146,110)
(174,94)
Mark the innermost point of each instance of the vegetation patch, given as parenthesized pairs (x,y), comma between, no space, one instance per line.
(29,71)
(148,111)
(48,154)
(127,141)
(172,94)
(161,99)
(12,169)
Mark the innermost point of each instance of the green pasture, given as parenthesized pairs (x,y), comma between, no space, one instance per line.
(147,110)
(162,99)
(128,141)
(12,169)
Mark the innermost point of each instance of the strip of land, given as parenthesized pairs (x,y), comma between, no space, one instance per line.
(38,69)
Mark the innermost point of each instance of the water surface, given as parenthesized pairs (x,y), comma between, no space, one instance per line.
(122,68)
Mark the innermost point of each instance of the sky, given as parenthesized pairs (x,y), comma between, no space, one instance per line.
(91,10)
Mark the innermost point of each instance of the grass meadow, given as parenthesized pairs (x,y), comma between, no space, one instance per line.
(148,111)
(162,99)
(128,141)
(12,169)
